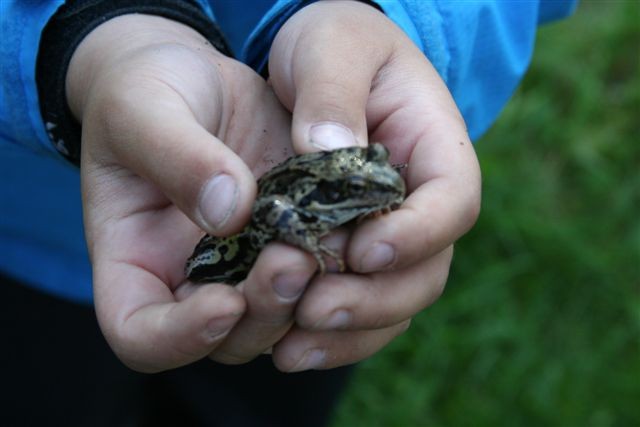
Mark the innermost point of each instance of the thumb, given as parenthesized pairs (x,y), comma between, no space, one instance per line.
(313,72)
(190,166)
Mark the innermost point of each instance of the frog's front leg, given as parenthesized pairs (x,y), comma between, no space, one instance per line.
(277,215)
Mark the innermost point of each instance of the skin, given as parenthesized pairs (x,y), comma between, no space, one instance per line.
(163,113)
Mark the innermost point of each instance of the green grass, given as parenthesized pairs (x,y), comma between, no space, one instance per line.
(540,322)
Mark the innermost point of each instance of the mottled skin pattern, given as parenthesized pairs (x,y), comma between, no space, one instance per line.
(298,202)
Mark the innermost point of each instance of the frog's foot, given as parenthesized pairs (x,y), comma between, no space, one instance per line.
(323,250)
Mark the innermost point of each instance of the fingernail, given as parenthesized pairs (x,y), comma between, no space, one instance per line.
(329,136)
(311,359)
(339,319)
(378,257)
(290,285)
(219,326)
(218,200)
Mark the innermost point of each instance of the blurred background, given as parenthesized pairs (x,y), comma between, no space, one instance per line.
(540,321)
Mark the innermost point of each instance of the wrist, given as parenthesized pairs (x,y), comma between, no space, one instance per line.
(67,29)
(116,41)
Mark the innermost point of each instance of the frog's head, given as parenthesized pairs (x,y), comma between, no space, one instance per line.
(357,181)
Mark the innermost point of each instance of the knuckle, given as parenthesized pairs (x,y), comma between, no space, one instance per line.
(127,350)
(440,278)
(472,211)
(437,290)
(335,97)
(379,321)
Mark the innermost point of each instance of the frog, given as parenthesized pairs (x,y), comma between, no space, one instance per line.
(300,201)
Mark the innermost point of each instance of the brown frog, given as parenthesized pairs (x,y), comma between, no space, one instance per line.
(298,202)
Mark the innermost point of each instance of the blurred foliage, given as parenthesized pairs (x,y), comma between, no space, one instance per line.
(540,322)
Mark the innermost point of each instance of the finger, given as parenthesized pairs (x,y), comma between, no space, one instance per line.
(314,74)
(271,290)
(434,215)
(442,174)
(148,330)
(302,350)
(378,300)
(166,144)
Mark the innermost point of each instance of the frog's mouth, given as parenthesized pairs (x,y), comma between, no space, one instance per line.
(362,204)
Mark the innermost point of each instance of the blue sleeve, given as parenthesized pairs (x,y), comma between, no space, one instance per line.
(22,24)
(20,120)
(40,203)
(481,49)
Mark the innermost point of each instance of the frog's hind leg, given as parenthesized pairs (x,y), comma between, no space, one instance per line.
(324,250)
(293,226)
(317,249)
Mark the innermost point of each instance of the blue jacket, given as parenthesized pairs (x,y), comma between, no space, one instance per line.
(481,49)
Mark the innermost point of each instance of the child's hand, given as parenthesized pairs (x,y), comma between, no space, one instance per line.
(349,74)
(156,103)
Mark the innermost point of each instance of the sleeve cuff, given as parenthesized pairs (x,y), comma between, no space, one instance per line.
(64,32)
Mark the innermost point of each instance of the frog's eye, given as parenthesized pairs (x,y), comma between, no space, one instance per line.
(325,192)
(357,184)
(377,153)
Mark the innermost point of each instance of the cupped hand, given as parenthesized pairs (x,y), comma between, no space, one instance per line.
(349,75)
(173,133)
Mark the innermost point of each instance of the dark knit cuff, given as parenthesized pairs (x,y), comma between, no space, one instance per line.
(64,32)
